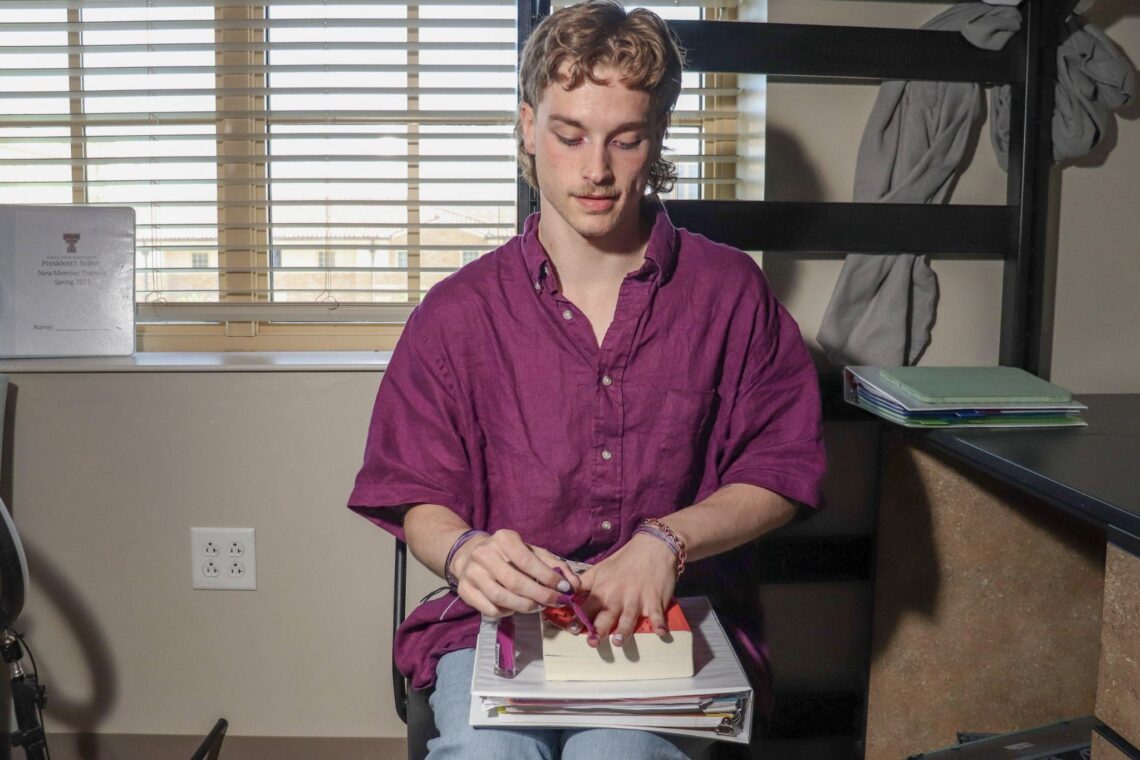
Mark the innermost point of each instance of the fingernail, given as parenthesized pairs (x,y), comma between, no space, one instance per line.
(575,627)
(564,586)
(662,630)
(592,640)
(617,640)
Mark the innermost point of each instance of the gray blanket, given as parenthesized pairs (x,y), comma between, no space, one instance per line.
(883,307)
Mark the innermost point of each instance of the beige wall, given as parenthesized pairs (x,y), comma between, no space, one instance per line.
(1096,337)
(111,470)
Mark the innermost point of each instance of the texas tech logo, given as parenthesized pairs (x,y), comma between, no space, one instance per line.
(72,240)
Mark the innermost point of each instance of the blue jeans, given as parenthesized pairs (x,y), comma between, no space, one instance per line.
(458,740)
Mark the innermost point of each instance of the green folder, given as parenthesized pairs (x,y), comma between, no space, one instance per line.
(974,385)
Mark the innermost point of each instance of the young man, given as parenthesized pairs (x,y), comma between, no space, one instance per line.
(603,388)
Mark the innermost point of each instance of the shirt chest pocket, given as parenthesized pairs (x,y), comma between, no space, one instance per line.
(684,417)
(668,434)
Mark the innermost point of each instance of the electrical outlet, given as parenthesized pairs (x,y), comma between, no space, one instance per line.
(223,558)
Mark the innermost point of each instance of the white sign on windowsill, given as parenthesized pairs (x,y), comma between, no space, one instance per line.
(67,281)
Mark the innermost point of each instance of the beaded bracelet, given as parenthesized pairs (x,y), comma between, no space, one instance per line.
(651,526)
(452,581)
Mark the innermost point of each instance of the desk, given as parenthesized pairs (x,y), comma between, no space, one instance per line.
(1092,472)
(997,603)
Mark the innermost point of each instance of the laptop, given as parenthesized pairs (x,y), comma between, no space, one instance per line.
(1067,740)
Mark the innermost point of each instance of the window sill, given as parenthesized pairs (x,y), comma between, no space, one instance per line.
(218,361)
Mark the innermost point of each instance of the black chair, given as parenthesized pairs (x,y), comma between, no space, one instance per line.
(411,704)
(212,745)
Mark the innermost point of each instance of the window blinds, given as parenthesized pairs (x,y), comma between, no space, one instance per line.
(290,161)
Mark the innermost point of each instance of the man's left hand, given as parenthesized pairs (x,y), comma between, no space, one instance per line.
(635,581)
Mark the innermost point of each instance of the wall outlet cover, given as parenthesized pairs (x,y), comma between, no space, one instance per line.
(223,558)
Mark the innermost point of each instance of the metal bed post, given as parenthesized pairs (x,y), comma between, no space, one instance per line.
(1024,328)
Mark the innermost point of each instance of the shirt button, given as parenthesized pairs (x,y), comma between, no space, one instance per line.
(606,455)
(567,314)
(607,526)
(538,285)
(607,380)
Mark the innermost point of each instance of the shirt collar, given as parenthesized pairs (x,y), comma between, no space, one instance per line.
(664,241)
(660,252)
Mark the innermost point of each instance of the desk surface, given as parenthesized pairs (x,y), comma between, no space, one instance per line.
(1093,472)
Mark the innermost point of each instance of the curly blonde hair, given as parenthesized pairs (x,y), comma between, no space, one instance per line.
(594,35)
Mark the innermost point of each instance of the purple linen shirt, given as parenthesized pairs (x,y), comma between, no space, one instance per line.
(499,404)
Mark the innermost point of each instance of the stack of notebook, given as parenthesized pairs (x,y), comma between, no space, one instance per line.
(714,702)
(947,397)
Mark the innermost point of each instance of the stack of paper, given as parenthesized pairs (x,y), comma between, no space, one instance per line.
(645,655)
(950,397)
(715,703)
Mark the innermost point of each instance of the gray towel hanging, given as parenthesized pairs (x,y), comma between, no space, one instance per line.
(883,307)
(1093,78)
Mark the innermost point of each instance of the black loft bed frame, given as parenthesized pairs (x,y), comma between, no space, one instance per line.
(1015,232)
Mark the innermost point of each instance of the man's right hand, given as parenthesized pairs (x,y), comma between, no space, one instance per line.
(500,574)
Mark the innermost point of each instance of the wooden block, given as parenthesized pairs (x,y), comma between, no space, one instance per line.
(1118,684)
(1103,749)
(987,607)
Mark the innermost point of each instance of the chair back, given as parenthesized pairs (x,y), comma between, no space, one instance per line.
(212,745)
(411,704)
(3,406)
(13,563)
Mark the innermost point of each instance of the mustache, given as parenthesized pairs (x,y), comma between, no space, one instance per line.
(608,191)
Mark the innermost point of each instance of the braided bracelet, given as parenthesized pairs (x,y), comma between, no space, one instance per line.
(651,526)
(452,581)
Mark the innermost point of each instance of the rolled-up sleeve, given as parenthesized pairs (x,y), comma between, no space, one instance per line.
(775,439)
(415,451)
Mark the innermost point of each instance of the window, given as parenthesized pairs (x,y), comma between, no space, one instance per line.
(301,172)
